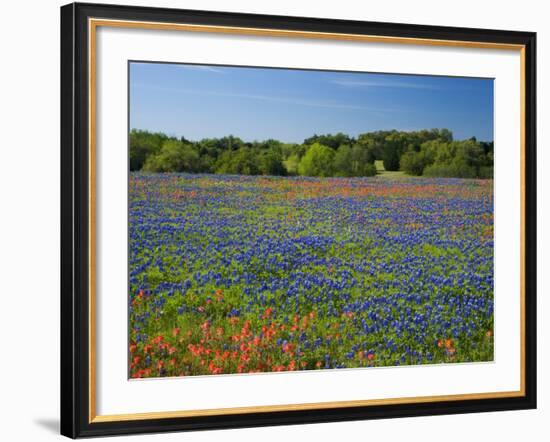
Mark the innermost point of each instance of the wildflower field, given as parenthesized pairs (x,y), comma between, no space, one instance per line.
(239,274)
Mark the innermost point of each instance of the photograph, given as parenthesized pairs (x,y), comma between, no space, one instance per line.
(297,219)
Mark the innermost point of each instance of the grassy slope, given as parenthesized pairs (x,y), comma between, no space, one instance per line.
(387,174)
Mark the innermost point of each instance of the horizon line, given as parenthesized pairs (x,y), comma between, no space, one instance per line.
(302,142)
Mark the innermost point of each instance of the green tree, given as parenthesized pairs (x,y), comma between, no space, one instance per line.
(354,161)
(343,161)
(362,160)
(292,164)
(317,161)
(394,146)
(390,158)
(430,152)
(241,162)
(412,163)
(142,145)
(370,146)
(174,156)
(270,162)
(334,141)
(230,142)
(458,159)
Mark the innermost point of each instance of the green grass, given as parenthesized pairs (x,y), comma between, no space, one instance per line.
(381,171)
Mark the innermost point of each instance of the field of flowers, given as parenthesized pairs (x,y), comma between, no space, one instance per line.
(238,274)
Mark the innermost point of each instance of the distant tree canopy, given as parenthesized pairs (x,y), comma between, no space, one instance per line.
(421,153)
(440,158)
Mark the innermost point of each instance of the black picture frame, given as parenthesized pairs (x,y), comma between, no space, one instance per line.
(75,220)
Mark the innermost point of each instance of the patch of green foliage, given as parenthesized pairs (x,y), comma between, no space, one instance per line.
(431,153)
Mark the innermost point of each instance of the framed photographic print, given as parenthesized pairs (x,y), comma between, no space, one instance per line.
(274,220)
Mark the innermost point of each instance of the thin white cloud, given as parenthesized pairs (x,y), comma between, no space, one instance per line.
(296,101)
(194,67)
(270,98)
(388,84)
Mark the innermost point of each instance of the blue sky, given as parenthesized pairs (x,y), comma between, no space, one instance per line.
(290,105)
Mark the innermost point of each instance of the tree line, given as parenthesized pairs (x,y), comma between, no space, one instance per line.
(430,152)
